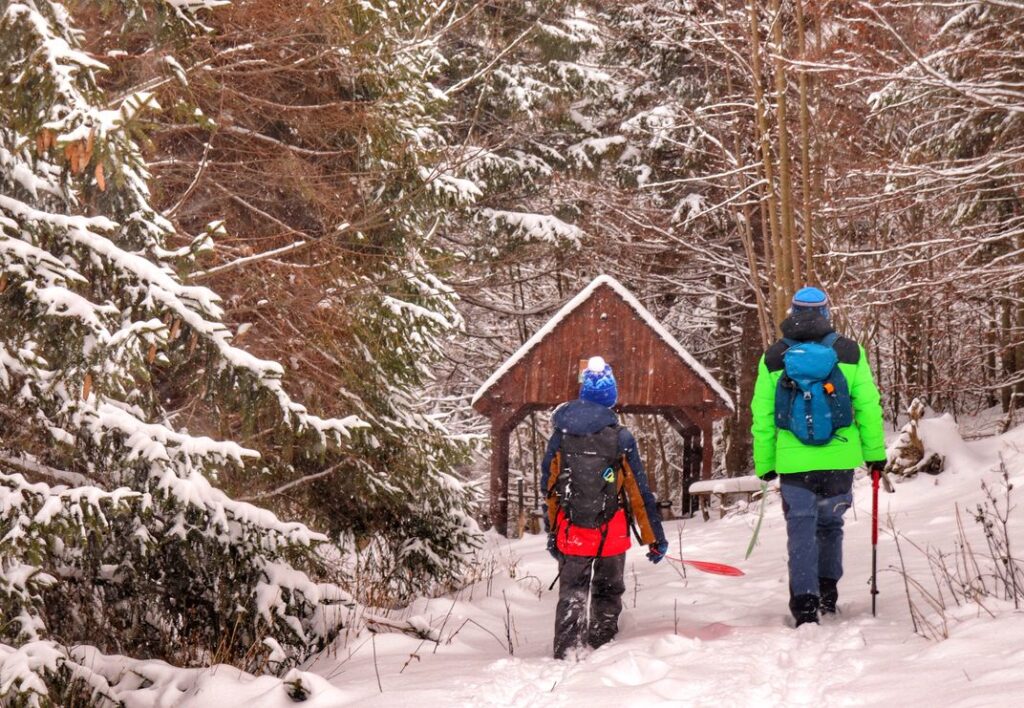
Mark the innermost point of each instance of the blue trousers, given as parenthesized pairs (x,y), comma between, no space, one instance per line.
(814,504)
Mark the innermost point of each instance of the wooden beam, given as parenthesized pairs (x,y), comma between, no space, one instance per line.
(681,423)
(686,476)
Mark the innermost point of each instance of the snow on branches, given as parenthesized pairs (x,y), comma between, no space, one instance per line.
(92,305)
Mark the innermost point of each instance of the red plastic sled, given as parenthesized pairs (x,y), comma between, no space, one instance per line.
(709,567)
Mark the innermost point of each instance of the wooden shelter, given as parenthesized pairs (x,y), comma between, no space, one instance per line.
(655,375)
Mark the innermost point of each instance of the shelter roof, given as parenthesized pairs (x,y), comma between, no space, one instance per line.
(601,287)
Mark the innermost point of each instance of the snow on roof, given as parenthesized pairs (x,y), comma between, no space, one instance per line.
(640,310)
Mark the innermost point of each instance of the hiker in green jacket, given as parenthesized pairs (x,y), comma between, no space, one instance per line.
(815,467)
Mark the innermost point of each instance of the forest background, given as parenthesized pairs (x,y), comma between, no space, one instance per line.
(390,197)
(712,156)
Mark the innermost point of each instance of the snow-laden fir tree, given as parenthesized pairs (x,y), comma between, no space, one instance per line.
(517,86)
(520,83)
(398,313)
(316,142)
(111,532)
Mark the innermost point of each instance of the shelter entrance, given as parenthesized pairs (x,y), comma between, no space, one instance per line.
(654,373)
(673,458)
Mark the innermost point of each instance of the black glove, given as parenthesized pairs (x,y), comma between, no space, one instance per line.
(553,547)
(769,476)
(657,550)
(876,465)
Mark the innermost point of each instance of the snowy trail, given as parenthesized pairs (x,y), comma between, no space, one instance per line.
(702,640)
(705,640)
(681,640)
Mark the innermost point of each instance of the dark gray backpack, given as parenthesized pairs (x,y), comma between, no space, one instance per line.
(588,482)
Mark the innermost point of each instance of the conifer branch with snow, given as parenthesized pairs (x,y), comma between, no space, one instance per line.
(147,557)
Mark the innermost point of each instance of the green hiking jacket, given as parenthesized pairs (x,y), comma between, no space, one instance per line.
(781,451)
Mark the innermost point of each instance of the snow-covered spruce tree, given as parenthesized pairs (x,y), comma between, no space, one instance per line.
(110,530)
(317,145)
(518,86)
(401,313)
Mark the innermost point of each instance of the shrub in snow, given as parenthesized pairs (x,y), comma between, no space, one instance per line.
(969,581)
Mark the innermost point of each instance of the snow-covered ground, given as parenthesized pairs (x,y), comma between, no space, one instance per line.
(701,639)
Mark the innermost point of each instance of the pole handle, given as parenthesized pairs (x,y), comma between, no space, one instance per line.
(875,477)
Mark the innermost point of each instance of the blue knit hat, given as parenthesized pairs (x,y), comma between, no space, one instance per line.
(597,384)
(809,298)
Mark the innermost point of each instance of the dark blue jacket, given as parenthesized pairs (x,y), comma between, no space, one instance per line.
(585,418)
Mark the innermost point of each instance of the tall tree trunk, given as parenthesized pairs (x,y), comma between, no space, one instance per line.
(1006,339)
(790,251)
(991,363)
(805,149)
(739,454)
(768,169)
(1017,334)
(746,231)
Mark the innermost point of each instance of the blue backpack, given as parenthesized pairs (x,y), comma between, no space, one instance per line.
(812,398)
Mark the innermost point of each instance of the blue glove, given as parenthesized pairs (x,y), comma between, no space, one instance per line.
(553,547)
(769,476)
(657,551)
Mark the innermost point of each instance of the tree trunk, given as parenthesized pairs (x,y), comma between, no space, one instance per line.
(767,167)
(805,150)
(790,251)
(739,453)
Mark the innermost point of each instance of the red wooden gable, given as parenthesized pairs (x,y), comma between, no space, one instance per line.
(651,372)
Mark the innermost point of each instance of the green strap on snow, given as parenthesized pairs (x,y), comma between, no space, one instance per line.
(760,518)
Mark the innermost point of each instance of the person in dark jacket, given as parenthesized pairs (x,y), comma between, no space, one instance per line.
(816,480)
(592,557)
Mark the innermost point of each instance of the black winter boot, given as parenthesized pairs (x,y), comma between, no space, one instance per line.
(804,609)
(829,595)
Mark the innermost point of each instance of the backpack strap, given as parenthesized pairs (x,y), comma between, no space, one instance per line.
(604,537)
(829,340)
(635,508)
(552,497)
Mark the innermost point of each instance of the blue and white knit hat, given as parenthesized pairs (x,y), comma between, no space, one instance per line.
(597,384)
(809,298)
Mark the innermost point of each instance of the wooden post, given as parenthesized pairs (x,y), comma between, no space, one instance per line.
(682,422)
(499,474)
(686,477)
(705,449)
(521,511)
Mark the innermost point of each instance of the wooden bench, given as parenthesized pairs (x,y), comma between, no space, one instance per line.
(726,490)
